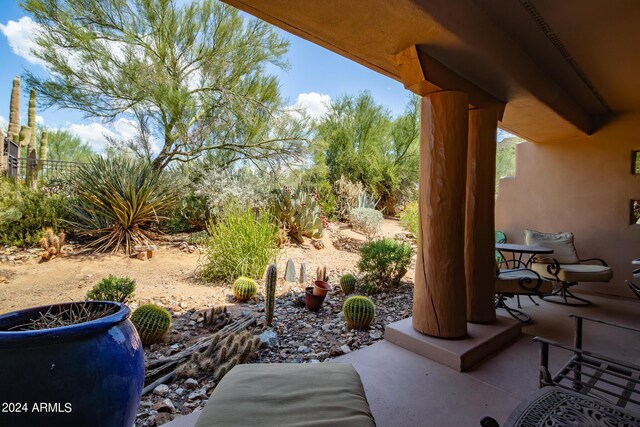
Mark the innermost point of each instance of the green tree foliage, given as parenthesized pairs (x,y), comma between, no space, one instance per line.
(360,140)
(193,77)
(63,145)
(506,158)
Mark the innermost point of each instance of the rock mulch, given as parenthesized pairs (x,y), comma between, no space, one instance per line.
(296,336)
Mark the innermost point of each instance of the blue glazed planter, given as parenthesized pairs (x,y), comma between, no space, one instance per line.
(89,374)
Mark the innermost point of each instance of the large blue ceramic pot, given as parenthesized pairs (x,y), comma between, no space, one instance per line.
(87,375)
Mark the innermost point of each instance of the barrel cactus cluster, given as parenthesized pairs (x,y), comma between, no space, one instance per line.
(244,288)
(359,312)
(270,289)
(152,323)
(348,284)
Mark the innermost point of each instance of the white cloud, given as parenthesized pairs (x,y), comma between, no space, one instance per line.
(21,37)
(316,105)
(39,120)
(94,134)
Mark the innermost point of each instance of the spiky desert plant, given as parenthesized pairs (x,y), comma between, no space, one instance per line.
(321,274)
(359,312)
(220,356)
(244,288)
(14,110)
(152,323)
(51,244)
(348,284)
(270,288)
(119,199)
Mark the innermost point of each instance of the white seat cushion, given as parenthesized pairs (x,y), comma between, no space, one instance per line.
(576,272)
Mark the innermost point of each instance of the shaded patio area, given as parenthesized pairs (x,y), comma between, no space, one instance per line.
(405,389)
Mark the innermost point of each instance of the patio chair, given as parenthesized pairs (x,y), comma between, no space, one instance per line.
(501,237)
(521,281)
(565,267)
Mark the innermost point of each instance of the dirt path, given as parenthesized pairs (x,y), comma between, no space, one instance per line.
(167,278)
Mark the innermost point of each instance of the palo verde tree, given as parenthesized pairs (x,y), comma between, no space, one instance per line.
(194,76)
(361,140)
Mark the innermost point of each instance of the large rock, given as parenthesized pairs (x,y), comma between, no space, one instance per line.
(290,271)
(268,339)
(161,390)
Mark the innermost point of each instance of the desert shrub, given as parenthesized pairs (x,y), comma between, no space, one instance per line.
(383,262)
(242,187)
(198,238)
(367,221)
(409,218)
(112,288)
(242,243)
(120,200)
(26,213)
(191,212)
(346,196)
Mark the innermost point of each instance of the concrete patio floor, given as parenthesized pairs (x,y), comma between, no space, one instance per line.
(405,389)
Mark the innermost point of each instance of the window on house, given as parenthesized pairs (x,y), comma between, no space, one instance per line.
(635,162)
(635,212)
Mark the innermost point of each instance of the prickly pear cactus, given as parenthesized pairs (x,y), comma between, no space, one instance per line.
(348,284)
(301,213)
(244,288)
(359,312)
(152,323)
(270,287)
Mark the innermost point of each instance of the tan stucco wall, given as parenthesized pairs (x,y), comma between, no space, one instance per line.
(584,186)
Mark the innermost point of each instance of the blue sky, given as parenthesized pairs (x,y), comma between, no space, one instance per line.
(315,76)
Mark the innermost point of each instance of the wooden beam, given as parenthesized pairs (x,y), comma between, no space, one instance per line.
(479,245)
(439,302)
(422,74)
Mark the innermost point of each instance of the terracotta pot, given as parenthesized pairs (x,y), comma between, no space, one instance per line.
(311,301)
(321,288)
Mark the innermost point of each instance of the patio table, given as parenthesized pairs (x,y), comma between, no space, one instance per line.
(553,406)
(522,255)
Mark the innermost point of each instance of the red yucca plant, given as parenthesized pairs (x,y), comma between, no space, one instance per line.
(119,199)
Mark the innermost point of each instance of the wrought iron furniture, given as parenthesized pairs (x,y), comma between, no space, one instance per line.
(565,267)
(516,282)
(501,238)
(591,389)
(636,275)
(557,407)
(590,373)
(520,256)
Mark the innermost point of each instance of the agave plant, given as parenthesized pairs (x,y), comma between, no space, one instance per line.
(119,199)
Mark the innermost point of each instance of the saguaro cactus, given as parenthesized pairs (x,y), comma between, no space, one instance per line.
(32,160)
(270,288)
(14,109)
(42,156)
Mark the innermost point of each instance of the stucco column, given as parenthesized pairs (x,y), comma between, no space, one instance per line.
(480,216)
(439,302)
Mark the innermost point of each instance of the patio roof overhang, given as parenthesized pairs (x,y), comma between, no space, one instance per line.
(561,68)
